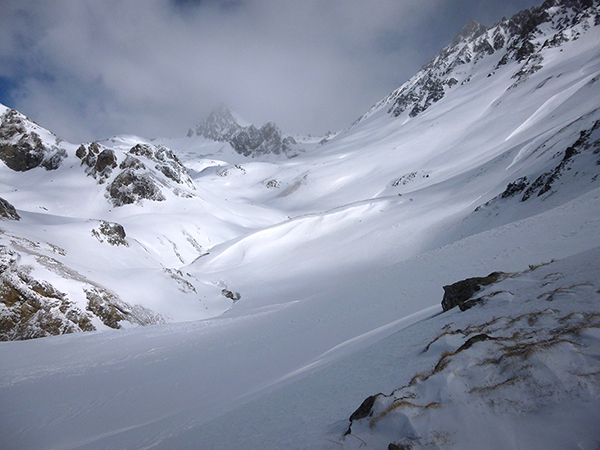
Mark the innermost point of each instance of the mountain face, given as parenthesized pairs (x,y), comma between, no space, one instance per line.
(520,40)
(309,291)
(249,141)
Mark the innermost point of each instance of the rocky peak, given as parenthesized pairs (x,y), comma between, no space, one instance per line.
(222,125)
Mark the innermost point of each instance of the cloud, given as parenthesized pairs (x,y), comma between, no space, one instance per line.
(88,69)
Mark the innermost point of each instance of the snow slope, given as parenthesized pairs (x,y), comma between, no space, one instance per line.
(319,278)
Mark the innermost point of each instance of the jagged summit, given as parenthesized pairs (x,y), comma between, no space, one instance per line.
(220,125)
(224,125)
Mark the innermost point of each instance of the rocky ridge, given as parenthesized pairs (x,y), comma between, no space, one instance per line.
(519,40)
(249,141)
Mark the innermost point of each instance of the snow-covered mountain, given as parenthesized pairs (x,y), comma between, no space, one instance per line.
(224,125)
(284,296)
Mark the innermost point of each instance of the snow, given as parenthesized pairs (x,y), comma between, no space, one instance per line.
(340,264)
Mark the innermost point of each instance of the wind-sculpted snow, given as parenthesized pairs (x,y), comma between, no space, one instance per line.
(530,345)
(283,292)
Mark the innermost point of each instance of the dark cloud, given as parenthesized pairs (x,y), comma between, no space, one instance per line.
(89,69)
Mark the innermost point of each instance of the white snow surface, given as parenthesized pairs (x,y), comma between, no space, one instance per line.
(339,256)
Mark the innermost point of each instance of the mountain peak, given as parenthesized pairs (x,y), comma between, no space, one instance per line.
(471,30)
(220,125)
(225,125)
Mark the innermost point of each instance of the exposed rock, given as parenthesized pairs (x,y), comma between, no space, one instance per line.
(129,187)
(250,141)
(473,340)
(131,162)
(81,152)
(220,125)
(30,308)
(271,184)
(544,182)
(23,150)
(458,294)
(515,187)
(142,150)
(235,296)
(100,162)
(8,211)
(111,232)
(516,39)
(54,160)
(19,150)
(112,310)
(168,163)
(471,30)
(106,160)
(364,409)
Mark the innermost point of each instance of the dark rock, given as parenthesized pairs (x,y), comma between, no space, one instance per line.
(81,152)
(103,305)
(131,162)
(129,187)
(168,163)
(111,232)
(19,150)
(268,139)
(515,187)
(393,446)
(544,182)
(235,296)
(250,141)
(100,162)
(142,150)
(527,48)
(53,161)
(8,211)
(364,410)
(26,154)
(106,160)
(458,293)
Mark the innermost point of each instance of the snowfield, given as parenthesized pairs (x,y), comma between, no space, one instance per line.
(262,301)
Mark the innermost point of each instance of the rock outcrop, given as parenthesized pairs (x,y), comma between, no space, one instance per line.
(137,182)
(460,293)
(21,148)
(8,211)
(30,308)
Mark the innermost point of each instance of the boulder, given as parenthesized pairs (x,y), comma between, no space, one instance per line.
(459,293)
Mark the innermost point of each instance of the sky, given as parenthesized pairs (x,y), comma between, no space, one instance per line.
(89,69)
